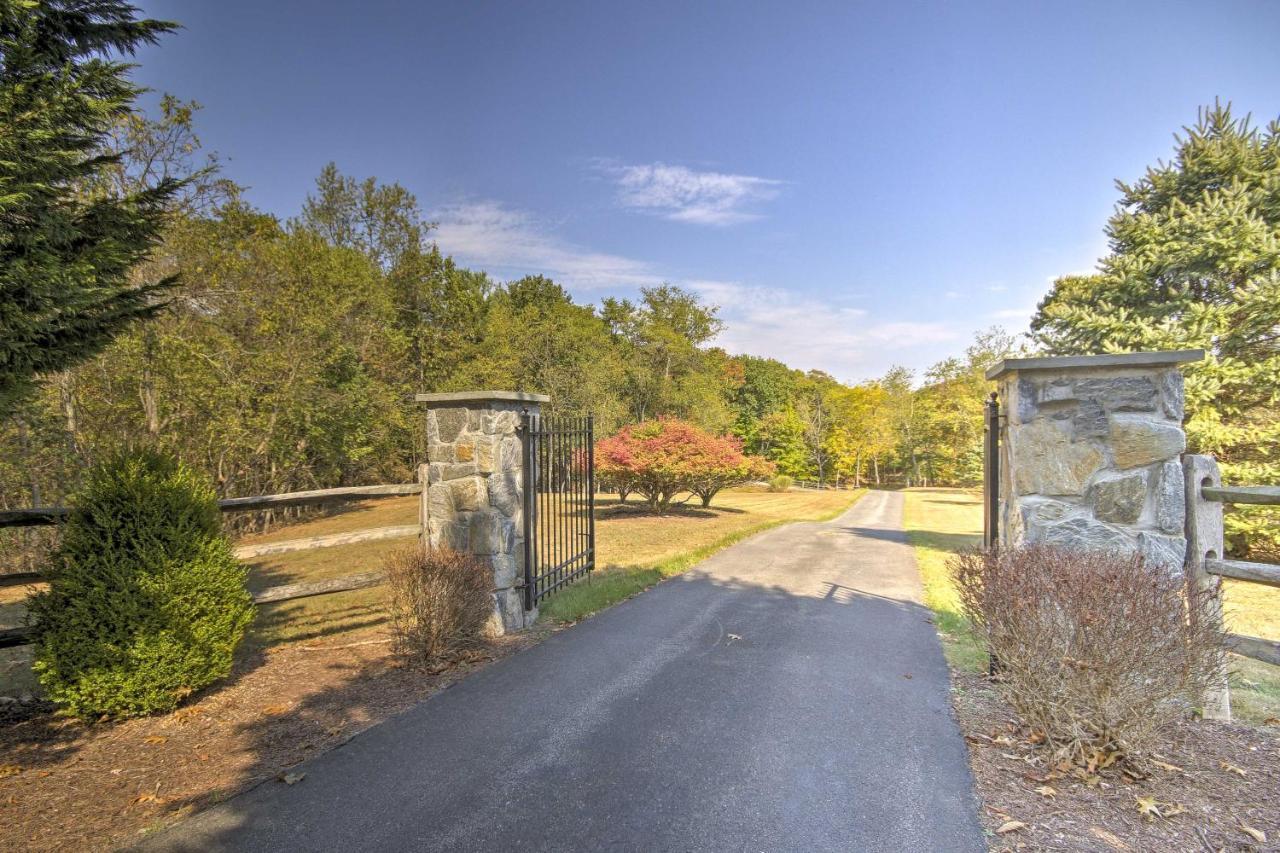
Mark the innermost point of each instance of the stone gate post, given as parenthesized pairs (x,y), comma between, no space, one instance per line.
(473,488)
(1090,453)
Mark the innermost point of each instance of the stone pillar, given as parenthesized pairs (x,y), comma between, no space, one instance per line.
(1090,453)
(473,488)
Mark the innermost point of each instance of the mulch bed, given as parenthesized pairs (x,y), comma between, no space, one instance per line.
(1216,787)
(66,784)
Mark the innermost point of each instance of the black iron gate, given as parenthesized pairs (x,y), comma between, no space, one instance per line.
(559,503)
(991,472)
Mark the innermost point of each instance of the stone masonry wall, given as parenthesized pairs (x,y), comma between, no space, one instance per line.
(1090,453)
(474,496)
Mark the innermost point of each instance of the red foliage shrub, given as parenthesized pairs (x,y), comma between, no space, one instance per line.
(659,459)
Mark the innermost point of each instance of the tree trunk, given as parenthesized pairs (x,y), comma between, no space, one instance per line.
(147,388)
(70,419)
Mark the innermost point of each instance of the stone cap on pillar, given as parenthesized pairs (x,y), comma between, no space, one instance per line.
(1092,362)
(464,397)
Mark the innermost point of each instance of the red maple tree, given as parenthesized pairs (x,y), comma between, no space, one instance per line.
(659,459)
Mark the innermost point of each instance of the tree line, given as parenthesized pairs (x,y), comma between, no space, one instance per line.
(288,351)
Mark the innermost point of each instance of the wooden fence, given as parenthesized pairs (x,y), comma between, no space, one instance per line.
(287,592)
(1206,565)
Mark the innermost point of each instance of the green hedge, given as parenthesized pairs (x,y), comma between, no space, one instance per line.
(146,602)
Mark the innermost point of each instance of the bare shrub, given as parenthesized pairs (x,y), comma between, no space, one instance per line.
(1097,651)
(440,600)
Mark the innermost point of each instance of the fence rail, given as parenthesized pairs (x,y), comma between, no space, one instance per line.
(42,516)
(1205,565)
(47,515)
(1242,571)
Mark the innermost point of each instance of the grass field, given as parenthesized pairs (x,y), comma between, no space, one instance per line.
(941,521)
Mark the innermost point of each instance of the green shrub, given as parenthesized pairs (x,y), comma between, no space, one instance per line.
(780,483)
(146,602)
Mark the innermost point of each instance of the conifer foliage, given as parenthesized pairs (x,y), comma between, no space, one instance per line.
(1195,263)
(146,603)
(66,244)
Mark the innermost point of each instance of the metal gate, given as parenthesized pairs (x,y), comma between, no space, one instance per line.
(559,503)
(991,472)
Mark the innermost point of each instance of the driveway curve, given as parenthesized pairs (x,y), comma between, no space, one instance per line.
(788,693)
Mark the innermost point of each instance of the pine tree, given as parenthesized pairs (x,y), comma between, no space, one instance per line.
(1195,263)
(66,247)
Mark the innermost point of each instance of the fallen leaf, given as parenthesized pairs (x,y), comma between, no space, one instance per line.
(9,770)
(155,740)
(202,756)
(1036,738)
(1231,768)
(1164,765)
(1003,740)
(275,709)
(1047,791)
(291,778)
(182,715)
(1256,834)
(1148,808)
(1271,721)
(1108,838)
(1010,826)
(148,798)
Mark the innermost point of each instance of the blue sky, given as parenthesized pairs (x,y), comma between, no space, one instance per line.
(855,184)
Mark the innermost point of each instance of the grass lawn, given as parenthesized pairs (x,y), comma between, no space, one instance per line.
(941,521)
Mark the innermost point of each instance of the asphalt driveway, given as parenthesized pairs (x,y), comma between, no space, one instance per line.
(787,694)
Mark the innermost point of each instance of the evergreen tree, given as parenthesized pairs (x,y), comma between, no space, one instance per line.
(1195,263)
(66,247)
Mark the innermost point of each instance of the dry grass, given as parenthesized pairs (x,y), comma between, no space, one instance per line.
(940,522)
(628,536)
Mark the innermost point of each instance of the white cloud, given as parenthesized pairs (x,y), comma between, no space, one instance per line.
(810,333)
(684,195)
(807,332)
(511,243)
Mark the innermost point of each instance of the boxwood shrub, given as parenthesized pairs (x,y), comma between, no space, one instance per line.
(146,603)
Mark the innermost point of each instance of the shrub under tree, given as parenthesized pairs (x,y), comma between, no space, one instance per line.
(146,602)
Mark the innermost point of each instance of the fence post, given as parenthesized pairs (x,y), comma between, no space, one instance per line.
(473,498)
(991,473)
(1204,542)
